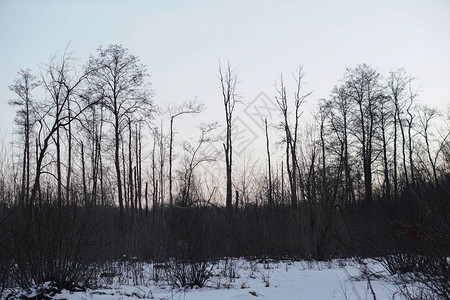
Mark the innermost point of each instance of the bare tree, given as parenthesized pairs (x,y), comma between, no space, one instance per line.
(83,175)
(410,121)
(188,107)
(154,178)
(25,119)
(130,167)
(90,138)
(385,117)
(426,116)
(194,158)
(61,83)
(138,169)
(321,118)
(363,88)
(396,87)
(69,152)
(228,83)
(120,81)
(160,142)
(291,131)
(339,108)
(269,167)
(246,173)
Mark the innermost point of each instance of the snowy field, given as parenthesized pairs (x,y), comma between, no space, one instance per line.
(244,279)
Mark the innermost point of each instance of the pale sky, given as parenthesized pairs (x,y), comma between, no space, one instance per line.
(182,41)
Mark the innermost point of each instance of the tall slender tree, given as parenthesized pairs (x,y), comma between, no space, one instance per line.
(228,83)
(292,131)
(119,79)
(61,83)
(396,85)
(188,107)
(340,123)
(386,117)
(25,119)
(365,91)
(269,167)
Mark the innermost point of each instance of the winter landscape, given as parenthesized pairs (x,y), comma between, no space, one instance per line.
(248,279)
(224,150)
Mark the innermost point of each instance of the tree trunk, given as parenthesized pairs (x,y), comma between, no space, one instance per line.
(130,169)
(385,158)
(395,158)
(117,163)
(58,167)
(69,154)
(83,176)
(170,162)
(270,193)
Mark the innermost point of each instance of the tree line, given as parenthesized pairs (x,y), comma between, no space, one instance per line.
(367,176)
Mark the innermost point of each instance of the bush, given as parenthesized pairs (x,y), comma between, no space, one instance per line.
(51,244)
(416,248)
(419,276)
(188,274)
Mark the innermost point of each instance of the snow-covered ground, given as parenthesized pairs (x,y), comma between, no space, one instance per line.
(244,279)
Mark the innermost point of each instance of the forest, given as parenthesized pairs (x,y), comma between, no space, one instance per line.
(93,178)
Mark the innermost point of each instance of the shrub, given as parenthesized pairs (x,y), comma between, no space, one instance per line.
(51,244)
(188,274)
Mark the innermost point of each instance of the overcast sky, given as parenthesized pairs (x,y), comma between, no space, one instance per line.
(182,41)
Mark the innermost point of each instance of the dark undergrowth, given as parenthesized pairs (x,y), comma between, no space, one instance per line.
(67,246)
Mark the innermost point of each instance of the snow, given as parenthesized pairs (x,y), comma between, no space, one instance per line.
(284,280)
